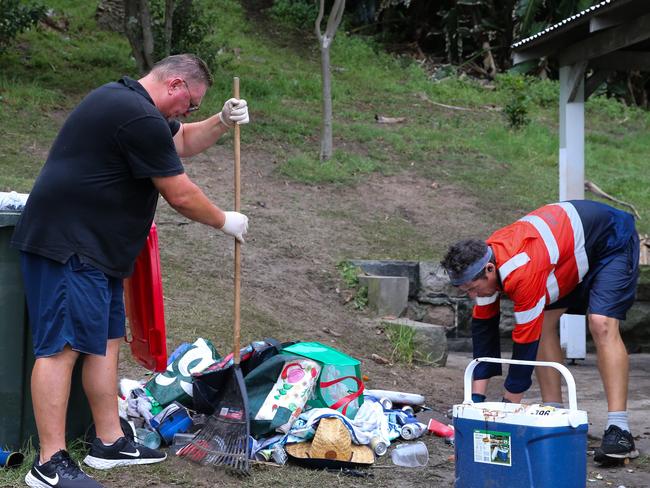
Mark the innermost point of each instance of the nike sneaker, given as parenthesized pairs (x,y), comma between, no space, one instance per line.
(617,445)
(60,472)
(123,452)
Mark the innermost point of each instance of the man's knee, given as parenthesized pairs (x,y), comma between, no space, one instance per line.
(603,329)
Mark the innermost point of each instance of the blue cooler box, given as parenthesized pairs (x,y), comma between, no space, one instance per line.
(520,446)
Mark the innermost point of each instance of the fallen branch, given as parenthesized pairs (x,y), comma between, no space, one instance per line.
(424,97)
(593,188)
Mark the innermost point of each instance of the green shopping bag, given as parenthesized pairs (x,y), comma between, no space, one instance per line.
(175,383)
(339,385)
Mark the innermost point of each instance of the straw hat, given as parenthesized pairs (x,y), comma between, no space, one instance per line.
(332,442)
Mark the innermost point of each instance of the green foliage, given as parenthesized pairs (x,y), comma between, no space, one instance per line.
(349,273)
(535,15)
(516,111)
(295,14)
(402,342)
(350,276)
(16,18)
(516,108)
(360,300)
(192,23)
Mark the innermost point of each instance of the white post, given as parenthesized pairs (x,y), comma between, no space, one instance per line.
(572,133)
(573,336)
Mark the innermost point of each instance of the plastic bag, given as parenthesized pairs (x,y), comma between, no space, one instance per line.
(175,384)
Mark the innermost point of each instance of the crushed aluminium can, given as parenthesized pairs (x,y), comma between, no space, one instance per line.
(279,455)
(386,403)
(408,409)
(412,430)
(378,446)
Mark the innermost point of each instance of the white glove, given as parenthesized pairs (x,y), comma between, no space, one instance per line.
(234,111)
(236,225)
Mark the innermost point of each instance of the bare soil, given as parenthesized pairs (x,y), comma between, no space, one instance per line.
(291,290)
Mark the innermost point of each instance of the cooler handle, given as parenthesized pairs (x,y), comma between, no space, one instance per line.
(568,377)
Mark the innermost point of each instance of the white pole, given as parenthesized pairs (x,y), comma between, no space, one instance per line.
(572,135)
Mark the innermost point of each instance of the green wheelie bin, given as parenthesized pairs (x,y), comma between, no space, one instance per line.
(17,424)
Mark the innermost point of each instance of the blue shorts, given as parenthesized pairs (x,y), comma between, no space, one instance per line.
(609,287)
(71,304)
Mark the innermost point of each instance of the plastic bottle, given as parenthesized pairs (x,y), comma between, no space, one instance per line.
(412,455)
(148,438)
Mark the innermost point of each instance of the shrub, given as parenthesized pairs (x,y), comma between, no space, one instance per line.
(297,14)
(16,18)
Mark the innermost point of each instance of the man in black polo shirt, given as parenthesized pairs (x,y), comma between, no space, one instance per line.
(86,220)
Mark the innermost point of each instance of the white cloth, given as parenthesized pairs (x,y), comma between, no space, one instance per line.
(13,200)
(369,422)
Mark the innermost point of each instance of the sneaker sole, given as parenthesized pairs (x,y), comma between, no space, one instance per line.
(631,455)
(34,482)
(101,463)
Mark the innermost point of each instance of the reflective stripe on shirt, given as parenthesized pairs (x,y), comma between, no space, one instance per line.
(529,315)
(582,262)
(482,301)
(512,264)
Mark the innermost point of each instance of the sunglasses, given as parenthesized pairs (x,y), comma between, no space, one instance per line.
(193,107)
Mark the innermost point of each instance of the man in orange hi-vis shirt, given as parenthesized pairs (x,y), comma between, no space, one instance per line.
(571,257)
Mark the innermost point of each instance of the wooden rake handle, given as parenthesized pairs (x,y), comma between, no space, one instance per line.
(237,297)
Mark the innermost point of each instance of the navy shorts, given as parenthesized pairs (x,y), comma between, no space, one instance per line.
(609,287)
(71,304)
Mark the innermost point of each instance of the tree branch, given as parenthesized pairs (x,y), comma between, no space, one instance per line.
(589,186)
(319,19)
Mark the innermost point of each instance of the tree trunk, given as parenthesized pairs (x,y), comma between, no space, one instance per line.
(169,17)
(325,41)
(326,132)
(110,15)
(147,34)
(137,26)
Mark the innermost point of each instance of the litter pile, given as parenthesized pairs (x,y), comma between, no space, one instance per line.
(306,403)
(303,401)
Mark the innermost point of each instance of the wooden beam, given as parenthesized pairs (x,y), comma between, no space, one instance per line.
(576,78)
(602,22)
(607,41)
(594,81)
(528,55)
(623,61)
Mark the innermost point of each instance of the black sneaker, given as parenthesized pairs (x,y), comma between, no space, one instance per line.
(60,471)
(123,452)
(617,444)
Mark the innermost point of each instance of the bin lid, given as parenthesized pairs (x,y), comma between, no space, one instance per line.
(9,218)
(143,299)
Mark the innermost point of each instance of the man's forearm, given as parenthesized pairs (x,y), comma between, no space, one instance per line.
(196,137)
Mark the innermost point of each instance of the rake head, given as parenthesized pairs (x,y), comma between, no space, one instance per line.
(224,439)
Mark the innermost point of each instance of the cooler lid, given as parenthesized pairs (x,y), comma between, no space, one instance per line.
(535,415)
